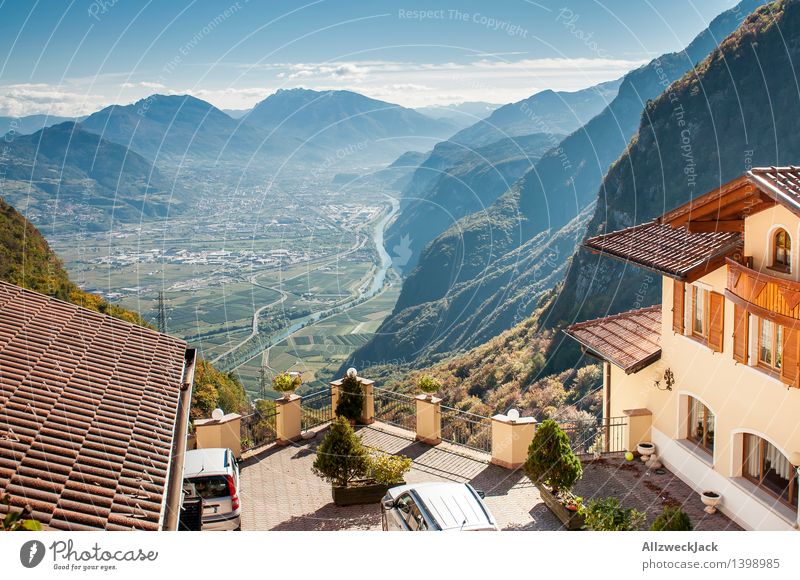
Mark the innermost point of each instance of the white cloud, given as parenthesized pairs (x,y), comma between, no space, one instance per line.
(144,85)
(19,100)
(412,84)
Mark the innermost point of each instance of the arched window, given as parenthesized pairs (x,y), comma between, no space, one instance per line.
(768,468)
(781,250)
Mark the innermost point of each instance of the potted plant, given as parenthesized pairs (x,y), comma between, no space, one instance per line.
(356,475)
(429,385)
(554,469)
(351,398)
(287,383)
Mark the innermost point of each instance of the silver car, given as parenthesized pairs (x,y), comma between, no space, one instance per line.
(436,507)
(213,474)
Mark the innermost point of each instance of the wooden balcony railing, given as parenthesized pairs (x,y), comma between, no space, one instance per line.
(764,294)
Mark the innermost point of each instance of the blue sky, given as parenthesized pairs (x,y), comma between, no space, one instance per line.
(75,57)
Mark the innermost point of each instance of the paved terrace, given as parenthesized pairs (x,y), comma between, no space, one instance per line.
(280,492)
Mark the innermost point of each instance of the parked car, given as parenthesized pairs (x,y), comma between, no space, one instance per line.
(436,507)
(213,475)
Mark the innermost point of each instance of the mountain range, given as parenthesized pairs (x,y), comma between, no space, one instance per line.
(731,114)
(82,179)
(347,124)
(548,205)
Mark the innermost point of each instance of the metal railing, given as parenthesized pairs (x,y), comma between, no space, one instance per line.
(467,429)
(596,435)
(395,408)
(258,428)
(315,409)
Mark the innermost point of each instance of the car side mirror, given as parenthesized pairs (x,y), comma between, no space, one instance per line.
(481,494)
(388,504)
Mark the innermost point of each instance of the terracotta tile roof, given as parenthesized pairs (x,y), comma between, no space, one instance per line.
(87,410)
(671,251)
(631,340)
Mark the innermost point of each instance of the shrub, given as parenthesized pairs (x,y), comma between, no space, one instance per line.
(286,382)
(607,515)
(351,397)
(672,519)
(387,469)
(550,459)
(341,457)
(428,384)
(14,520)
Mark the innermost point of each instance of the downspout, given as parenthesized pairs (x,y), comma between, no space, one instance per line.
(175,481)
(607,409)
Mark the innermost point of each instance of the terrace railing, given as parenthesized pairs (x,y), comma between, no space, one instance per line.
(258,428)
(596,435)
(467,429)
(395,408)
(315,409)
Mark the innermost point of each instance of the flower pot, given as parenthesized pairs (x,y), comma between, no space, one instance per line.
(711,499)
(572,520)
(360,492)
(645,449)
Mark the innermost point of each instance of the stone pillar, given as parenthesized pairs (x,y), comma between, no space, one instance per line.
(637,431)
(368,408)
(224,433)
(367,405)
(429,419)
(511,439)
(287,419)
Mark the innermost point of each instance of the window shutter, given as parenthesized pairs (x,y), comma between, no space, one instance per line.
(791,358)
(741,334)
(678,301)
(716,321)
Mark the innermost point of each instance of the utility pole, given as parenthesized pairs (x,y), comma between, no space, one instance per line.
(161,313)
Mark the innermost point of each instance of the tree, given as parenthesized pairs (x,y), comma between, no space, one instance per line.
(351,399)
(550,459)
(341,457)
(672,519)
(607,515)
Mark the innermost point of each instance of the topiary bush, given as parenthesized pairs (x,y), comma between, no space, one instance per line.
(351,399)
(286,382)
(341,457)
(428,384)
(387,469)
(550,459)
(608,515)
(672,519)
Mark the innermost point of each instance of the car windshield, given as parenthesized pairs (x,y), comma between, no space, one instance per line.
(209,486)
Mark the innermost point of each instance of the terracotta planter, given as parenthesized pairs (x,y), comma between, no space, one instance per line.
(360,492)
(572,520)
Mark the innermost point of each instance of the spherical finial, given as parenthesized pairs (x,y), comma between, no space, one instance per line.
(352,373)
(217,414)
(512,414)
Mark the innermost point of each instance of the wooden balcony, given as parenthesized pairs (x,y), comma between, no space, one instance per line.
(764,295)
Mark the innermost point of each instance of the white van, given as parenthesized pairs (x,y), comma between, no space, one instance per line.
(213,474)
(436,507)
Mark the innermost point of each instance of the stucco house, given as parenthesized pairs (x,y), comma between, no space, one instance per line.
(712,375)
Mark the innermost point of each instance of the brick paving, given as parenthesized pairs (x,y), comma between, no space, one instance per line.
(279,491)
